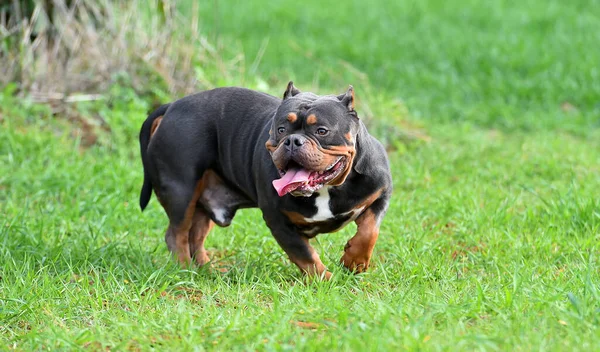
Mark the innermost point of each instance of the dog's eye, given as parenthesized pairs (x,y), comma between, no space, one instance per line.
(322,131)
(281,130)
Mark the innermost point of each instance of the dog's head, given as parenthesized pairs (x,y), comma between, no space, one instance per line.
(312,141)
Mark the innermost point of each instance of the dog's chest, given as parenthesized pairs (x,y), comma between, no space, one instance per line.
(324,220)
(323,208)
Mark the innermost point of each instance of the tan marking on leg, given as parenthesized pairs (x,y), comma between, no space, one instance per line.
(177,242)
(155,125)
(182,231)
(291,117)
(358,250)
(182,246)
(313,266)
(201,226)
(311,119)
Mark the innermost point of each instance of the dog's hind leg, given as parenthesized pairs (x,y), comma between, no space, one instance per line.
(178,246)
(180,204)
(201,226)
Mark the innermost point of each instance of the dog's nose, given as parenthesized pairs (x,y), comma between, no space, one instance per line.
(294,140)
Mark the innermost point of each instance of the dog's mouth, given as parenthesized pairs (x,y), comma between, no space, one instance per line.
(299,181)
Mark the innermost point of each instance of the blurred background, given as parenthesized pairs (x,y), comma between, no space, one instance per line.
(500,64)
(490,113)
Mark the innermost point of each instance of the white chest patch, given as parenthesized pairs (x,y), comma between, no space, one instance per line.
(322,203)
(324,212)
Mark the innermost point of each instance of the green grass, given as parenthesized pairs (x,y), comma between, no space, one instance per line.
(490,243)
(499,63)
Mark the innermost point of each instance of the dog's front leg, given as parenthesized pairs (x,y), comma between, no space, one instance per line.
(358,250)
(298,248)
(304,256)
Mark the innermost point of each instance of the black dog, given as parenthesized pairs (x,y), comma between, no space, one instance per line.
(307,162)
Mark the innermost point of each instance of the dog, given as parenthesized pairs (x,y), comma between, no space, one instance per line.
(307,161)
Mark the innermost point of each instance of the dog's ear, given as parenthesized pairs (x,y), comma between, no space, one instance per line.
(348,98)
(367,154)
(290,91)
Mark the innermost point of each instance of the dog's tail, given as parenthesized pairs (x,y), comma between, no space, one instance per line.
(145,134)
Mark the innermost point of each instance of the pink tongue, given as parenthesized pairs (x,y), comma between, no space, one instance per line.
(291,177)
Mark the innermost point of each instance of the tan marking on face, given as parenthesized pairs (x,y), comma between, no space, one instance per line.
(330,154)
(315,158)
(311,119)
(155,125)
(346,151)
(358,250)
(338,149)
(310,155)
(270,147)
(348,136)
(291,117)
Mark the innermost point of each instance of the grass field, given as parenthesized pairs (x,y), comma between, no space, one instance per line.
(491,112)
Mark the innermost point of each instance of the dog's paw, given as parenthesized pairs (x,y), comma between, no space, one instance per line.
(355,263)
(201,258)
